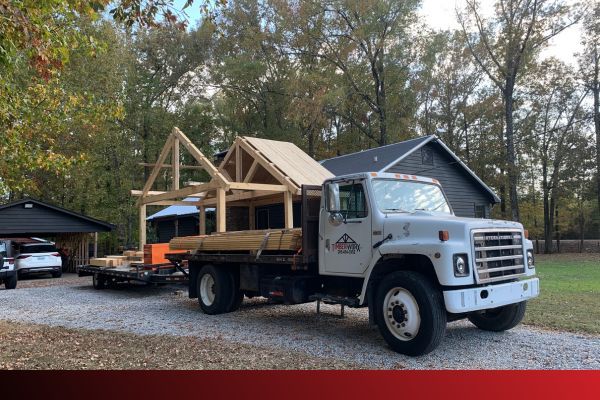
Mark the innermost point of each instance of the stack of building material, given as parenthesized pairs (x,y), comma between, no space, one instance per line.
(103,262)
(128,259)
(270,239)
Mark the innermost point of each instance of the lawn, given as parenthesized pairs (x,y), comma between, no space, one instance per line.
(570,293)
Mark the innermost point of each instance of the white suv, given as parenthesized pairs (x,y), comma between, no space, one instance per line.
(8,273)
(38,258)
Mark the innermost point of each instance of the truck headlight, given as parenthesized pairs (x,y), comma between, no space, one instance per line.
(530,259)
(461,265)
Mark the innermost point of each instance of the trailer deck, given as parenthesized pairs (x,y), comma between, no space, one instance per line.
(146,273)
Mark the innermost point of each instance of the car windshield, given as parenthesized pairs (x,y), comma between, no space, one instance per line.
(38,248)
(394,195)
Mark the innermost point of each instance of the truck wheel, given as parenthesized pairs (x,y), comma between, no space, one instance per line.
(215,290)
(11,283)
(238,298)
(499,319)
(98,281)
(410,313)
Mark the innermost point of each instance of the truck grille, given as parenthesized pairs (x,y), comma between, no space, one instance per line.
(498,255)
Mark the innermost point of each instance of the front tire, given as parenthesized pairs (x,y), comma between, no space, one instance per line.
(215,290)
(11,283)
(499,319)
(410,313)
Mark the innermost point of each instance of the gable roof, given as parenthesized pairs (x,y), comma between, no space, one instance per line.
(380,159)
(288,158)
(43,217)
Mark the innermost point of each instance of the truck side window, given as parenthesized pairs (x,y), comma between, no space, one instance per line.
(352,201)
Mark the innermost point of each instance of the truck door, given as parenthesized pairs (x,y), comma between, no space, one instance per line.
(346,248)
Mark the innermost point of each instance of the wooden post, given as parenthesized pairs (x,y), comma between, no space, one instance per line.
(238,164)
(289,209)
(175,163)
(220,212)
(202,211)
(142,226)
(95,244)
(252,216)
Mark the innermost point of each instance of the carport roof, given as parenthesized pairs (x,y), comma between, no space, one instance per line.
(29,216)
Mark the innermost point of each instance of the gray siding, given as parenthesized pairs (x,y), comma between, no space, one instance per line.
(464,192)
(40,219)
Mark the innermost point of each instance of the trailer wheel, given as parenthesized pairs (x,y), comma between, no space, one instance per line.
(410,313)
(215,290)
(98,281)
(499,319)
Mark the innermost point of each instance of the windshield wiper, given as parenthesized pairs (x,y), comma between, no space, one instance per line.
(396,209)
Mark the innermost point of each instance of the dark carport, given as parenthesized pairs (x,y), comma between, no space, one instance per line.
(70,230)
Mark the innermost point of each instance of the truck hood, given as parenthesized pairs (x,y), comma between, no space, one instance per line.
(428,224)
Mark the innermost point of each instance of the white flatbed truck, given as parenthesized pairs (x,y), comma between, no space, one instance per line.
(389,242)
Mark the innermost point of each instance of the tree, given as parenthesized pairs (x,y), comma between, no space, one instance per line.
(503,47)
(556,104)
(589,64)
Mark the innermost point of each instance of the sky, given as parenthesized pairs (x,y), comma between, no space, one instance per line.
(441,15)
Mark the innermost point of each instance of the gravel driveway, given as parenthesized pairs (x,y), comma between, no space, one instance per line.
(167,310)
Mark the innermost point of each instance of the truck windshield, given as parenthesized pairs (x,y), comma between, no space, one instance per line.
(408,196)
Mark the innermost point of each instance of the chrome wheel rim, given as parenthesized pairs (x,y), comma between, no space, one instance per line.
(207,289)
(401,314)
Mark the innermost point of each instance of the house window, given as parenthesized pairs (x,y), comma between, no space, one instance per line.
(352,201)
(427,155)
(480,211)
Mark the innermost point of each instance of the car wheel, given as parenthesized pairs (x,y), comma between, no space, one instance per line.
(11,283)
(499,319)
(410,313)
(215,290)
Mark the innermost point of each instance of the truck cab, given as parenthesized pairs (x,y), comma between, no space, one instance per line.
(418,264)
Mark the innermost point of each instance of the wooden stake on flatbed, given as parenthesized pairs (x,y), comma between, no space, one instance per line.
(202,211)
(142,226)
(220,212)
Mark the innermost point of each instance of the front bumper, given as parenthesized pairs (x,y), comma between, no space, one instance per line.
(491,296)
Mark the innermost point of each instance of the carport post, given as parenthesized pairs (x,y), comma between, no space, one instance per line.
(202,226)
(142,226)
(95,245)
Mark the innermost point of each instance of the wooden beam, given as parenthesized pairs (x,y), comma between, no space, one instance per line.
(238,163)
(185,192)
(175,169)
(173,203)
(151,192)
(197,154)
(251,171)
(181,167)
(142,226)
(161,159)
(237,197)
(221,211)
(258,186)
(288,209)
(202,211)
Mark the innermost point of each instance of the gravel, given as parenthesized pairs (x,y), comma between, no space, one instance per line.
(168,311)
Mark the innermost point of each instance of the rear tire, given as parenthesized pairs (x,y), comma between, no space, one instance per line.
(215,290)
(57,274)
(98,281)
(410,313)
(11,283)
(499,319)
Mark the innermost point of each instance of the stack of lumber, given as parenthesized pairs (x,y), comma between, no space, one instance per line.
(128,259)
(155,253)
(270,239)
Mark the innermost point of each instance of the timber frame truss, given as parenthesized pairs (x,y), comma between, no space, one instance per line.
(245,178)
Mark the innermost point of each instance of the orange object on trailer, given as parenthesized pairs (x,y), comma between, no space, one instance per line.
(155,253)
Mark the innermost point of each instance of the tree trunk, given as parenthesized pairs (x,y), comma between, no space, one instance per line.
(597,129)
(510,152)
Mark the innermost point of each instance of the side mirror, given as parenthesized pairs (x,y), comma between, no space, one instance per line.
(333,198)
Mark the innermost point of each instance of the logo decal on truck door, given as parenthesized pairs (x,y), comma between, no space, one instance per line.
(345,245)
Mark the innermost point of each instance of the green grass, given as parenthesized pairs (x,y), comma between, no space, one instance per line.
(569,293)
